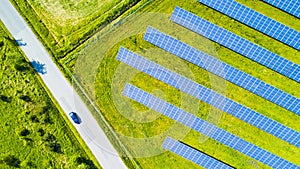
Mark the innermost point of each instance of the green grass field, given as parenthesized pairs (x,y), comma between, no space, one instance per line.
(99,57)
(34,134)
(63,25)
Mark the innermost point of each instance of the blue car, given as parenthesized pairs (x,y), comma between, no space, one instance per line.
(74,117)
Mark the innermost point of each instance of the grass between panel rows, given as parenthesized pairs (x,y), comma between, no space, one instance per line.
(130,122)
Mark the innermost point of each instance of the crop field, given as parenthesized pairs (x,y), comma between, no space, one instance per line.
(63,25)
(34,134)
(141,130)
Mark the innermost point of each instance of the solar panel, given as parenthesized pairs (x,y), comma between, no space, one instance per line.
(193,155)
(236,43)
(202,93)
(256,20)
(290,6)
(201,126)
(223,70)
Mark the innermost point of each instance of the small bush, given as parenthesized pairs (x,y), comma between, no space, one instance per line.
(25,98)
(5,98)
(34,119)
(50,138)
(24,132)
(55,147)
(83,160)
(41,132)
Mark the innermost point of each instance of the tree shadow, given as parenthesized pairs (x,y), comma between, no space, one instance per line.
(12,41)
(11,161)
(25,98)
(5,98)
(83,160)
(39,67)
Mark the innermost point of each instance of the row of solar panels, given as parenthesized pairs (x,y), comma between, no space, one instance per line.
(194,155)
(236,43)
(256,20)
(239,45)
(223,70)
(204,94)
(290,6)
(206,128)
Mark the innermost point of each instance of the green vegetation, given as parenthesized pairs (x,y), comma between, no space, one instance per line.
(103,89)
(34,134)
(64,25)
(65,30)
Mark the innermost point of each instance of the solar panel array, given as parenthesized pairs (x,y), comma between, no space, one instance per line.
(256,20)
(193,155)
(202,93)
(290,6)
(206,128)
(236,43)
(223,70)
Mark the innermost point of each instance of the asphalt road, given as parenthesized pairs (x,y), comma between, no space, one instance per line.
(61,89)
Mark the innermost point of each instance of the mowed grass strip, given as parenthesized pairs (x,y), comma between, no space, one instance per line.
(34,134)
(109,65)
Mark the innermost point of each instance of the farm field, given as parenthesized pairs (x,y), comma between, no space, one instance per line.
(96,68)
(63,25)
(34,134)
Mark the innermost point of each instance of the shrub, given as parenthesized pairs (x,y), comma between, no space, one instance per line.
(24,132)
(41,132)
(5,98)
(12,161)
(25,98)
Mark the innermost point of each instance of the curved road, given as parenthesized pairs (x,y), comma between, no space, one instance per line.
(61,89)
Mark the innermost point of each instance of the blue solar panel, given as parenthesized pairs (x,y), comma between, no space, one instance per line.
(236,43)
(223,70)
(290,6)
(202,126)
(202,93)
(256,20)
(193,155)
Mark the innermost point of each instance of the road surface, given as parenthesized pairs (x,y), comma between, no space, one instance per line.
(61,89)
